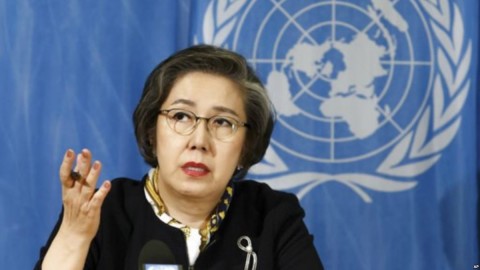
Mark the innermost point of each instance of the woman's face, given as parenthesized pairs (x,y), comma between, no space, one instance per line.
(199,165)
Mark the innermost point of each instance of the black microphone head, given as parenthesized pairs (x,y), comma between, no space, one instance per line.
(155,252)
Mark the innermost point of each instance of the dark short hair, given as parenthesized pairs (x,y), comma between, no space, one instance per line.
(212,60)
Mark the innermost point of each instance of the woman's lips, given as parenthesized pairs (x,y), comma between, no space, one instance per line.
(195,169)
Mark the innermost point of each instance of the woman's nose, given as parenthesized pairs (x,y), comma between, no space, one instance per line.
(200,137)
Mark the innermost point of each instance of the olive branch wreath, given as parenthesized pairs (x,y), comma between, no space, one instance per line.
(219,21)
(450,92)
(413,154)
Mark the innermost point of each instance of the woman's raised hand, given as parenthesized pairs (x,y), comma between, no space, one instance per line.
(81,211)
(82,204)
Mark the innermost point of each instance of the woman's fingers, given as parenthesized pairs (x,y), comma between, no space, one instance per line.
(96,202)
(81,202)
(81,190)
(91,181)
(83,164)
(66,168)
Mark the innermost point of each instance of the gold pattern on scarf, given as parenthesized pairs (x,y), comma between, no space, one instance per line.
(209,226)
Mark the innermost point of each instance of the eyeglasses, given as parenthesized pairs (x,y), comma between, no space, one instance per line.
(185,122)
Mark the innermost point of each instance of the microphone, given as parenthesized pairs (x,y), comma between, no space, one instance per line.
(156,255)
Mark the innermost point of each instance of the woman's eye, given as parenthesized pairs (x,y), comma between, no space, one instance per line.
(182,116)
(222,122)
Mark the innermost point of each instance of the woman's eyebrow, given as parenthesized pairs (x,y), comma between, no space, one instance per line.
(225,110)
(183,101)
(220,109)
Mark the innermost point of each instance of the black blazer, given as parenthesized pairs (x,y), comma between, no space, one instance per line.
(272,221)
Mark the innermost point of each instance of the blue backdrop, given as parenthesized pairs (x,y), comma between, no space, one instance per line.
(377,113)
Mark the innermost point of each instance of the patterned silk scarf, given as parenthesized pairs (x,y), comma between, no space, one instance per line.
(210,226)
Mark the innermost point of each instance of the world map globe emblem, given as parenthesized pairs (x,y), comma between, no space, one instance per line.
(347,77)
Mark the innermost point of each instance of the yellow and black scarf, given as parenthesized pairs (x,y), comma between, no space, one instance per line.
(210,227)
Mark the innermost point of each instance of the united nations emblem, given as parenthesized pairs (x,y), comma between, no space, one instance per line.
(368,93)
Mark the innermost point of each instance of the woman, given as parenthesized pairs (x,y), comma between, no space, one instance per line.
(203,120)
